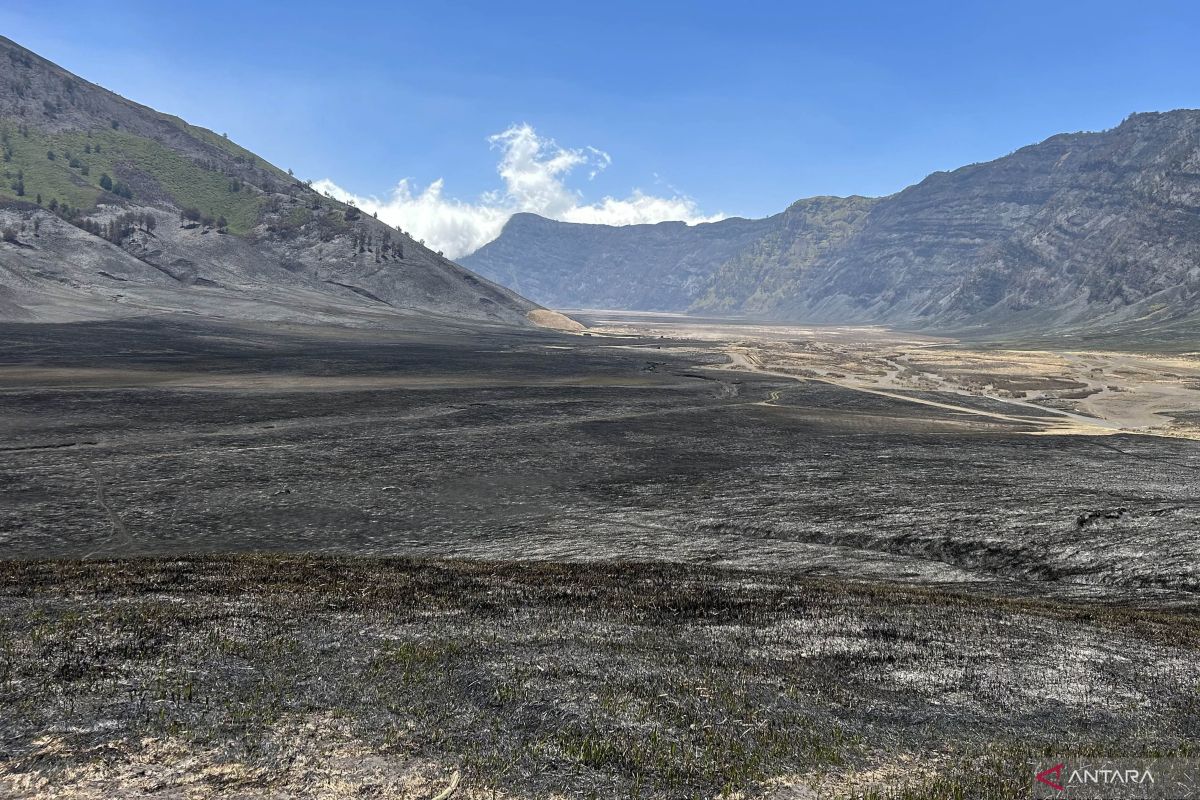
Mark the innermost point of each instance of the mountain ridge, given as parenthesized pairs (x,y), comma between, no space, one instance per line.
(1081,229)
(685,257)
(110,208)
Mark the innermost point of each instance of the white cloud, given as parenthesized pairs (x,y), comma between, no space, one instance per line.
(534,170)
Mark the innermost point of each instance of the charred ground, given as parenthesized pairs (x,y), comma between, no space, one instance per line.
(665,578)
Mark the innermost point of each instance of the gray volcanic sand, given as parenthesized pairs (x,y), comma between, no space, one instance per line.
(535,445)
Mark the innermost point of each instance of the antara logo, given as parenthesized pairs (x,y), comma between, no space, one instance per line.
(1053,777)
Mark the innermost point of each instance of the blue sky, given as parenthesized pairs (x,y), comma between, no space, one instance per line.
(727,108)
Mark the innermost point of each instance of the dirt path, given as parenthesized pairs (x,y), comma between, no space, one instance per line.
(1079,392)
(120,533)
(1062,423)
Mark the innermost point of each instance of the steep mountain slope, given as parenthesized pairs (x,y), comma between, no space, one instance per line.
(1083,229)
(640,267)
(109,208)
(773,268)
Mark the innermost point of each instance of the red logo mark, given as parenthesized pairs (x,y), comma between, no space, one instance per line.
(1045,776)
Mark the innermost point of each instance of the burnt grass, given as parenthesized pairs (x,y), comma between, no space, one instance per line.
(562,566)
(619,679)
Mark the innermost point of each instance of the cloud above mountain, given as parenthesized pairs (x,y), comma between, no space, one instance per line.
(534,171)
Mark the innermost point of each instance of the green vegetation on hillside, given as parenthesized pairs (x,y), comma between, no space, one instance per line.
(71,168)
(26,154)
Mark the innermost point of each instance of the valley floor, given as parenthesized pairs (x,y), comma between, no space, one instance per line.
(1088,391)
(666,559)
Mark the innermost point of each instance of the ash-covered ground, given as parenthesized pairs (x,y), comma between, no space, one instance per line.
(744,582)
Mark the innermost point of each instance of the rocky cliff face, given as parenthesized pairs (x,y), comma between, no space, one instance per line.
(660,267)
(109,208)
(1081,229)
(774,268)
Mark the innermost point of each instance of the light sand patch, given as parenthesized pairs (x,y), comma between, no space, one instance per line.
(315,756)
(546,318)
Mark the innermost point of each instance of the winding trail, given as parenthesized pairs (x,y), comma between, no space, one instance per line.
(119,530)
(1062,423)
